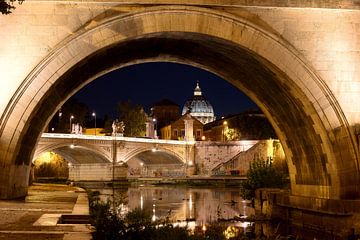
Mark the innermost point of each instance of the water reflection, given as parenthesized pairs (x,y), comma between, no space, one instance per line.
(201,205)
(198,207)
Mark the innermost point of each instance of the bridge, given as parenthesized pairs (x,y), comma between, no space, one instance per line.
(94,157)
(298,60)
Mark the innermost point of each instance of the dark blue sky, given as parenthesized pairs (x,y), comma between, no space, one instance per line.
(148,83)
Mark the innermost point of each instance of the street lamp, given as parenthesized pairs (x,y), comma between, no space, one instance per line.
(94,115)
(71,118)
(154,120)
(224,127)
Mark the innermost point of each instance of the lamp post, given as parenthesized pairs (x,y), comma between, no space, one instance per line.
(70,119)
(223,131)
(155,127)
(94,115)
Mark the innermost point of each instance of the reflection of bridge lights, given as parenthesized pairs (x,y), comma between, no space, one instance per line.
(190,205)
(153,216)
(72,146)
(141,202)
(203,228)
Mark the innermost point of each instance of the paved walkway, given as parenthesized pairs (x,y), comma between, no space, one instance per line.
(37,216)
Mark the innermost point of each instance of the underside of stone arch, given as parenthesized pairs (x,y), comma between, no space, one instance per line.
(321,153)
(156,158)
(79,155)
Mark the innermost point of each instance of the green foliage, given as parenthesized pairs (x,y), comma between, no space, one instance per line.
(6,6)
(72,107)
(231,134)
(134,117)
(56,166)
(137,224)
(261,174)
(250,126)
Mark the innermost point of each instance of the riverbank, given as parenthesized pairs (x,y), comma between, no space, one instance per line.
(224,181)
(38,216)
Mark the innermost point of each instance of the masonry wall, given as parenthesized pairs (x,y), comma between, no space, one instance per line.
(208,155)
(96,172)
(264,149)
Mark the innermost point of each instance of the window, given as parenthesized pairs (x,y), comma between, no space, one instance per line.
(182,132)
(175,133)
(198,132)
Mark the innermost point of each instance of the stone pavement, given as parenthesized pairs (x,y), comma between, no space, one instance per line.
(37,216)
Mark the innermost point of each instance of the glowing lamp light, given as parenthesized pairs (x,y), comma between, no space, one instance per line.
(141,164)
(153,149)
(190,163)
(72,146)
(203,138)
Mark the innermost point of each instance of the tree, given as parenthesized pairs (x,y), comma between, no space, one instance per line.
(61,121)
(231,134)
(6,6)
(134,117)
(261,174)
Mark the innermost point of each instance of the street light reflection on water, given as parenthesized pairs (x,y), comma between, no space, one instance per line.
(187,207)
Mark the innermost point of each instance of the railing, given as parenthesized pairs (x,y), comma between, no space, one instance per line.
(117,138)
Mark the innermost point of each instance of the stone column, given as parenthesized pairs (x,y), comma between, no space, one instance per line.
(189,132)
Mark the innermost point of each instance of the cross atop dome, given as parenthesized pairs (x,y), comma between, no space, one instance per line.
(197,91)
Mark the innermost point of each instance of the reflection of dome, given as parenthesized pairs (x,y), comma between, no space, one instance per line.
(199,107)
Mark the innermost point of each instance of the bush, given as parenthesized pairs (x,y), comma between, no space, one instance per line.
(261,174)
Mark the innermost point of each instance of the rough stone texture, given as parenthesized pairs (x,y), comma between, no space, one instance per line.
(209,155)
(263,150)
(298,64)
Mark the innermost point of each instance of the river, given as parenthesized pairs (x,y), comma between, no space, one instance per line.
(199,206)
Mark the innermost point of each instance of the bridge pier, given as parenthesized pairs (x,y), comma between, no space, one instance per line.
(330,216)
(14,180)
(97,172)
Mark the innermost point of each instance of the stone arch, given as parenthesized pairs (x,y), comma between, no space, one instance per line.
(61,148)
(137,151)
(319,145)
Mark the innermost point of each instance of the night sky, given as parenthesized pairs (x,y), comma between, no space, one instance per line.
(148,83)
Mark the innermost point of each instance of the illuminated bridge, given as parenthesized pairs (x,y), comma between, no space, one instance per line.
(94,157)
(298,60)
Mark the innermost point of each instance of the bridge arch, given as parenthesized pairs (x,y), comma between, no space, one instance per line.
(318,143)
(138,151)
(74,153)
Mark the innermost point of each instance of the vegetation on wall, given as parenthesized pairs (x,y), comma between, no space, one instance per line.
(51,165)
(262,174)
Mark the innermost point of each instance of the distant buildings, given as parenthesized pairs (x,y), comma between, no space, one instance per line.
(176,129)
(199,107)
(249,125)
(163,113)
(169,123)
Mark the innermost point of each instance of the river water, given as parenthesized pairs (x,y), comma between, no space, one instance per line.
(199,206)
